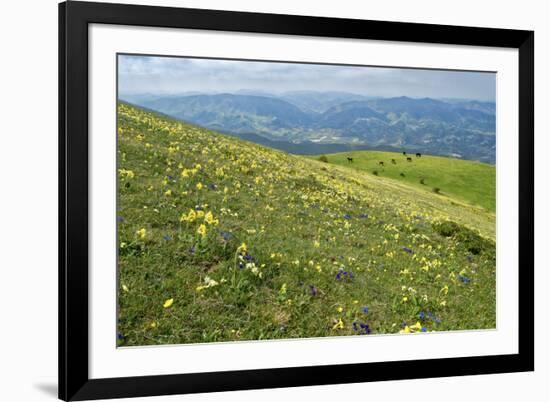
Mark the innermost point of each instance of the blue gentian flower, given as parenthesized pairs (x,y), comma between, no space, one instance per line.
(347,216)
(166,237)
(464,279)
(407,250)
(365,309)
(365,328)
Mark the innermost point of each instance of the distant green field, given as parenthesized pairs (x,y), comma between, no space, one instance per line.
(468,181)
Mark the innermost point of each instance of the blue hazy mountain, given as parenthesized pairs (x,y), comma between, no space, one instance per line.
(309,122)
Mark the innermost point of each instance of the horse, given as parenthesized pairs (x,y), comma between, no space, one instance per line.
(409,159)
(404,153)
(393,161)
(381,163)
(350,160)
(418,154)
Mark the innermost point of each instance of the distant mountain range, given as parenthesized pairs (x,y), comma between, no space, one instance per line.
(308,122)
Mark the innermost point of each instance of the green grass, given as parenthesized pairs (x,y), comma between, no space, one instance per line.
(250,243)
(467,181)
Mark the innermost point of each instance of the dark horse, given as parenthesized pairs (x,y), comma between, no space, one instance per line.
(404,153)
(409,160)
(418,154)
(350,160)
(393,161)
(381,163)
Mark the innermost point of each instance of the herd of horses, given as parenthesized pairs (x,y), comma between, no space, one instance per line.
(381,163)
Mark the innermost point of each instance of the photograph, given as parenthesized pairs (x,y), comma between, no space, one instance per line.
(262,200)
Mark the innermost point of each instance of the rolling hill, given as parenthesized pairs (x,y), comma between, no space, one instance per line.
(225,240)
(465,181)
(464,129)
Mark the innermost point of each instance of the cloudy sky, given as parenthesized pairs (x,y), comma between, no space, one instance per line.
(173,75)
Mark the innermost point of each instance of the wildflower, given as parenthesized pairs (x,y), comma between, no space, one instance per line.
(202,230)
(444,290)
(316,244)
(340,309)
(209,218)
(422,315)
(125,288)
(464,279)
(365,328)
(190,217)
(141,233)
(199,186)
(208,283)
(343,275)
(347,216)
(365,309)
(167,238)
(168,193)
(313,290)
(339,324)
(242,249)
(407,250)
(168,303)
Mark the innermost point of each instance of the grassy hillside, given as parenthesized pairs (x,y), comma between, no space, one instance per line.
(468,181)
(221,239)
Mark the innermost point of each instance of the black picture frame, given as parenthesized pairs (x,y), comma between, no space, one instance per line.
(74,18)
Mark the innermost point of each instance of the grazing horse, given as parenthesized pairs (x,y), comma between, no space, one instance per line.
(350,160)
(393,161)
(409,160)
(381,163)
(418,154)
(404,153)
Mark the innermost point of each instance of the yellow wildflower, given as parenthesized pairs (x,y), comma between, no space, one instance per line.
(339,324)
(199,186)
(202,230)
(141,233)
(190,217)
(209,218)
(168,303)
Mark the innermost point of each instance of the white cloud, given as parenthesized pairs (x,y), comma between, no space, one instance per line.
(148,74)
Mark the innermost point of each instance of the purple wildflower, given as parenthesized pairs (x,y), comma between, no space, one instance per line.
(464,279)
(166,237)
(313,290)
(365,309)
(407,250)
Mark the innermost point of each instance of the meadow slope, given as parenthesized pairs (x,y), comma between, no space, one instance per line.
(221,239)
(467,181)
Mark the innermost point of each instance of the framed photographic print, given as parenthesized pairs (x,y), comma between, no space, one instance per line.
(258,200)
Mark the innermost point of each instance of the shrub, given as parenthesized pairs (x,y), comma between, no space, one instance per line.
(469,239)
(402,174)
(375,172)
(323,158)
(436,190)
(422,181)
